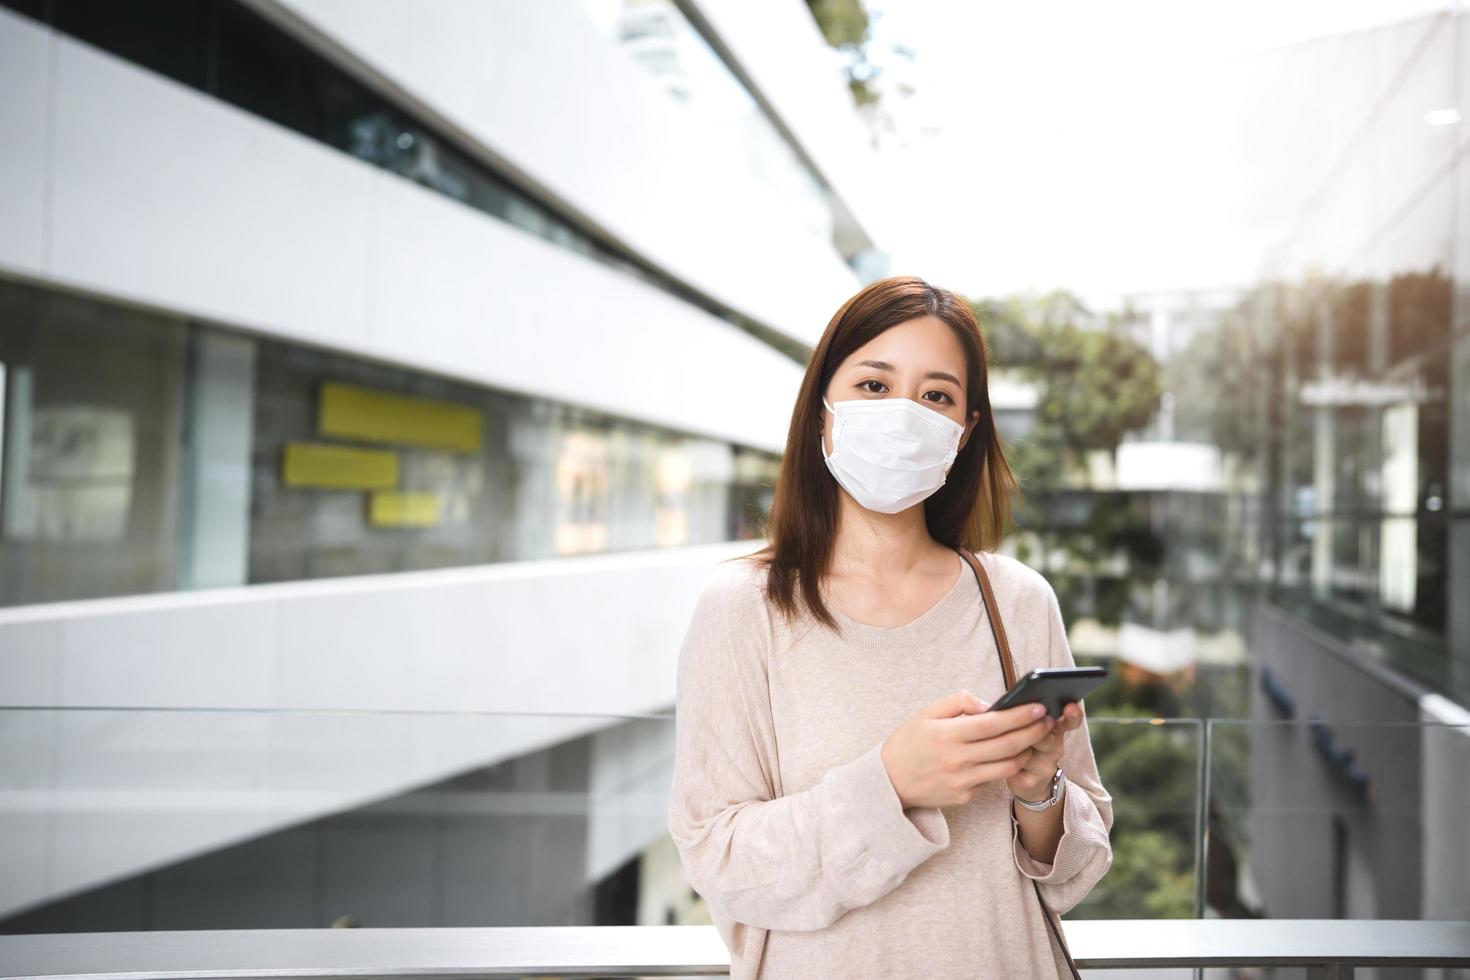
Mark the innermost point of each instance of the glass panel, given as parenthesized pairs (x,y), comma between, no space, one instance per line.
(131,820)
(1354,576)
(1326,819)
(180,819)
(94,411)
(544,480)
(1295,544)
(1151,768)
(120,820)
(1356,486)
(142,453)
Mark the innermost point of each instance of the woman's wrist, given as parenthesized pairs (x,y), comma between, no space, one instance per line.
(1051,794)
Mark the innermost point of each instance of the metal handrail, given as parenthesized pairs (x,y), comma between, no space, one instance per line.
(1332,946)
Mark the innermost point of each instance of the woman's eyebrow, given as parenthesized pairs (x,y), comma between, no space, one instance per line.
(885,366)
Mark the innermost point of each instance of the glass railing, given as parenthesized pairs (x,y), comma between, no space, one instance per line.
(140,819)
(1330,819)
(1153,768)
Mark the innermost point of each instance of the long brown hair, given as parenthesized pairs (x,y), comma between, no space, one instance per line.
(971,510)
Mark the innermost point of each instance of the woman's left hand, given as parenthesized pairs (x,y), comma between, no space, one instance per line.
(1033,782)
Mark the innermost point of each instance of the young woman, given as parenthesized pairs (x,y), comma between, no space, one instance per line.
(841,797)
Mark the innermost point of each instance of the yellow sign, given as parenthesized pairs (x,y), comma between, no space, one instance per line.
(369,415)
(391,508)
(309,464)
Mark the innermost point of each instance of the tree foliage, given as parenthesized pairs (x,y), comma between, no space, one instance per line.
(844,23)
(845,26)
(1095,386)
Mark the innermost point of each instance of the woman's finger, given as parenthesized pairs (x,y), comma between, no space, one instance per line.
(1048,751)
(1044,756)
(987,771)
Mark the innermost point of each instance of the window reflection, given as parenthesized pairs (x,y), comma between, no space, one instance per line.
(115,457)
(91,447)
(673,482)
(581,494)
(79,479)
(657,35)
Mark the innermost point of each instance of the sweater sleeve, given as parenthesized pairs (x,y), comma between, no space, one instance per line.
(796,862)
(1084,852)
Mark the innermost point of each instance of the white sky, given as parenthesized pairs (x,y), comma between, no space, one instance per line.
(1086,145)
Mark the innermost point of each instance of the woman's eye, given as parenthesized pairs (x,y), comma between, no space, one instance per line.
(944,396)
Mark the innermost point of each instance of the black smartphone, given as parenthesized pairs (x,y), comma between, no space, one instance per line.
(1055,687)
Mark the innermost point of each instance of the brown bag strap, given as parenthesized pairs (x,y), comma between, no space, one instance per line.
(1008,668)
(992,613)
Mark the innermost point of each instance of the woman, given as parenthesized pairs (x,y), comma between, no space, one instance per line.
(841,798)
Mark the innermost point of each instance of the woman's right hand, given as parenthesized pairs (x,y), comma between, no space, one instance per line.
(942,755)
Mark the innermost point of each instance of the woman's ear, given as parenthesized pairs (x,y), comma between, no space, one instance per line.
(969,428)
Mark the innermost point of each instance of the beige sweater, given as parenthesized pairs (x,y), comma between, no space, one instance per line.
(787,822)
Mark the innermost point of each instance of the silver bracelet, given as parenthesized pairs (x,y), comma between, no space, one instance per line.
(1058,785)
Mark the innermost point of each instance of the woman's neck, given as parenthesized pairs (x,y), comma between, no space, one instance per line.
(870,545)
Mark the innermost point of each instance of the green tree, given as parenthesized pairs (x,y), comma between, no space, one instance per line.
(1095,384)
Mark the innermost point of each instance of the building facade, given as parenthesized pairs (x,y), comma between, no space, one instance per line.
(1350,368)
(456,333)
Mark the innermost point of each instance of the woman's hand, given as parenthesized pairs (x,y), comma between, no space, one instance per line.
(1033,782)
(942,755)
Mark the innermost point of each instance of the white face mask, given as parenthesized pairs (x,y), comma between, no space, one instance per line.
(890,453)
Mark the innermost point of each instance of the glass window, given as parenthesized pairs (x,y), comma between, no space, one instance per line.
(92,431)
(270,74)
(675,52)
(172,37)
(116,426)
(1418,313)
(35,9)
(1351,311)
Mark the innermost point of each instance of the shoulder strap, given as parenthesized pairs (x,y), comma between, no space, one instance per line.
(1008,667)
(992,613)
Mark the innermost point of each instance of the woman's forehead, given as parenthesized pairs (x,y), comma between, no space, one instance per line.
(923,343)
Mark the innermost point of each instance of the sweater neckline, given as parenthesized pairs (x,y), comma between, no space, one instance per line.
(928,625)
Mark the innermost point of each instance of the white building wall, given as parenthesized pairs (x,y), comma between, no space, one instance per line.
(590,634)
(541,88)
(164,197)
(25,62)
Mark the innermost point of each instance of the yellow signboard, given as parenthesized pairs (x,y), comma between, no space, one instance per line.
(308,464)
(369,415)
(391,508)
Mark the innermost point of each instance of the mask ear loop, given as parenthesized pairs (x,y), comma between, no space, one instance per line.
(822,433)
(954,454)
